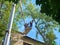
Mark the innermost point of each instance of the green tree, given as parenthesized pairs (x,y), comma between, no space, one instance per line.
(5,10)
(29,10)
(46,31)
(50,7)
(4,17)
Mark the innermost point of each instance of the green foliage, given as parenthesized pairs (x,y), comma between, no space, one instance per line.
(6,9)
(4,20)
(47,32)
(50,7)
(29,10)
(15,1)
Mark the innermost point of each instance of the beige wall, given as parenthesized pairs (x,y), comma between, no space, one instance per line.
(31,41)
(19,42)
(19,39)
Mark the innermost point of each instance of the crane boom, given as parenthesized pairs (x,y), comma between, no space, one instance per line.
(8,33)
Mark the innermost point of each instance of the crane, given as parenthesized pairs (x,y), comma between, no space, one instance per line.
(8,31)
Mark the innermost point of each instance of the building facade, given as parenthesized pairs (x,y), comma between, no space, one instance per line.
(20,39)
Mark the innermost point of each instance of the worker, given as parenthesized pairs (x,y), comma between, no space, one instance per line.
(28,24)
(28,27)
(31,23)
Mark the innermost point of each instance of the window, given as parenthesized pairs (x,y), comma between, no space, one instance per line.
(24,43)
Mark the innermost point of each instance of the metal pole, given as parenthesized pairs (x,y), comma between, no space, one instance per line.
(8,33)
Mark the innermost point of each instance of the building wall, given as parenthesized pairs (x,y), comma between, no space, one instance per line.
(18,39)
(30,41)
(19,42)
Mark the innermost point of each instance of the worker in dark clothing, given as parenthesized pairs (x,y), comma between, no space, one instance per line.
(31,23)
(28,27)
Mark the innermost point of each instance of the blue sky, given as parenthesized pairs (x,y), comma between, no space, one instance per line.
(32,33)
(58,37)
